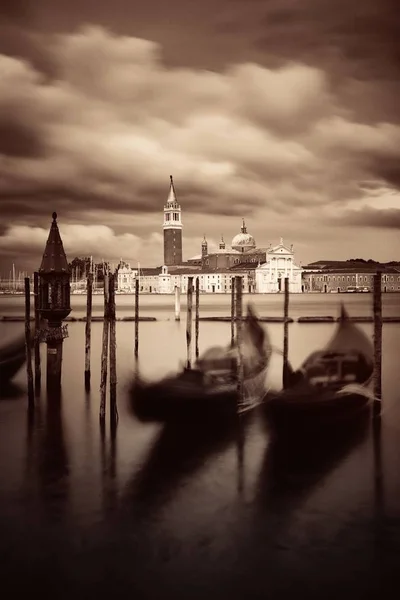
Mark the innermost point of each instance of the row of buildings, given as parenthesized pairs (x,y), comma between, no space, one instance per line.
(344,277)
(263,269)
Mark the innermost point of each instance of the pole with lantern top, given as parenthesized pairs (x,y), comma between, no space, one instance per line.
(54,302)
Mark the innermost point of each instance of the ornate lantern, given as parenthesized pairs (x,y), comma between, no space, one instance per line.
(54,280)
(54,302)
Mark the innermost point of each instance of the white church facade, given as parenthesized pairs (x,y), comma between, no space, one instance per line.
(126,279)
(270,276)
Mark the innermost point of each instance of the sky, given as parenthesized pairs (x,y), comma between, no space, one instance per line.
(283,112)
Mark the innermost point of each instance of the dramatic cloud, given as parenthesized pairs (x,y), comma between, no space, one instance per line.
(294,123)
(374,218)
(98,241)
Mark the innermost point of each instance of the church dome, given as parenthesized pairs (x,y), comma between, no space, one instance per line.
(243,241)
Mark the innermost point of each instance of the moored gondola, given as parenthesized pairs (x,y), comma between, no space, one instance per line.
(330,388)
(210,389)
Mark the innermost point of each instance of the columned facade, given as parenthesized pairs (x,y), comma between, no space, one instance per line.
(270,276)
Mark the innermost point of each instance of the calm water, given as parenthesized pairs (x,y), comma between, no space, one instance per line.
(160,513)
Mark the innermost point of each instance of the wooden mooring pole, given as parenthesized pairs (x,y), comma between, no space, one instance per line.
(197,316)
(377,300)
(113,352)
(104,351)
(232,311)
(38,372)
(136,317)
(88,329)
(285,372)
(189,322)
(377,407)
(177,303)
(28,341)
(239,335)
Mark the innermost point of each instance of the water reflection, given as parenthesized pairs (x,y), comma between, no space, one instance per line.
(177,454)
(380,524)
(293,468)
(47,468)
(10,390)
(108,455)
(378,469)
(242,424)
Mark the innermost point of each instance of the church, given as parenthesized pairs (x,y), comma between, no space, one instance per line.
(279,264)
(263,269)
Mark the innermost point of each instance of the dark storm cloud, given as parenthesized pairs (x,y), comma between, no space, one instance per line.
(372,217)
(388,170)
(19,37)
(16,11)
(355,43)
(363,37)
(18,140)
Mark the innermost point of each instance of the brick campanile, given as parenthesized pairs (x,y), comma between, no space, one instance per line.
(172,227)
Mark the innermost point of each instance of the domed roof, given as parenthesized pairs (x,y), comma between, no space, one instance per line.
(243,239)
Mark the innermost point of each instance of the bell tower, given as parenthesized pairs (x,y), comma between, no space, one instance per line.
(204,247)
(172,227)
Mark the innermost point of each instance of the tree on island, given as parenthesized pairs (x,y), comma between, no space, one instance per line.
(392,263)
(80,268)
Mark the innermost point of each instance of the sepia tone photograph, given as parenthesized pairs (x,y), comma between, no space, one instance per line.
(200,299)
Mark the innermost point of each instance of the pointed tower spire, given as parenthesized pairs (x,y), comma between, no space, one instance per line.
(243,228)
(222,243)
(204,247)
(54,259)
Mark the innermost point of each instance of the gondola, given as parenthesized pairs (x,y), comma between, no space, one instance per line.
(12,357)
(331,388)
(209,390)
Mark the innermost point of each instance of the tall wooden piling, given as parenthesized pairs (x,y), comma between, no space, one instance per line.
(239,336)
(189,322)
(113,352)
(38,373)
(233,311)
(285,370)
(379,508)
(28,341)
(88,329)
(197,315)
(377,308)
(136,317)
(104,350)
(177,303)
(54,363)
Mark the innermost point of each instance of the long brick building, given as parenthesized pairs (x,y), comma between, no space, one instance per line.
(348,276)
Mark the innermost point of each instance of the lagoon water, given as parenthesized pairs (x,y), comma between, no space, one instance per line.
(157,513)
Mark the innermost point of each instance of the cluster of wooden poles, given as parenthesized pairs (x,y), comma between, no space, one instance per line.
(109,343)
(32,387)
(108,353)
(236,314)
